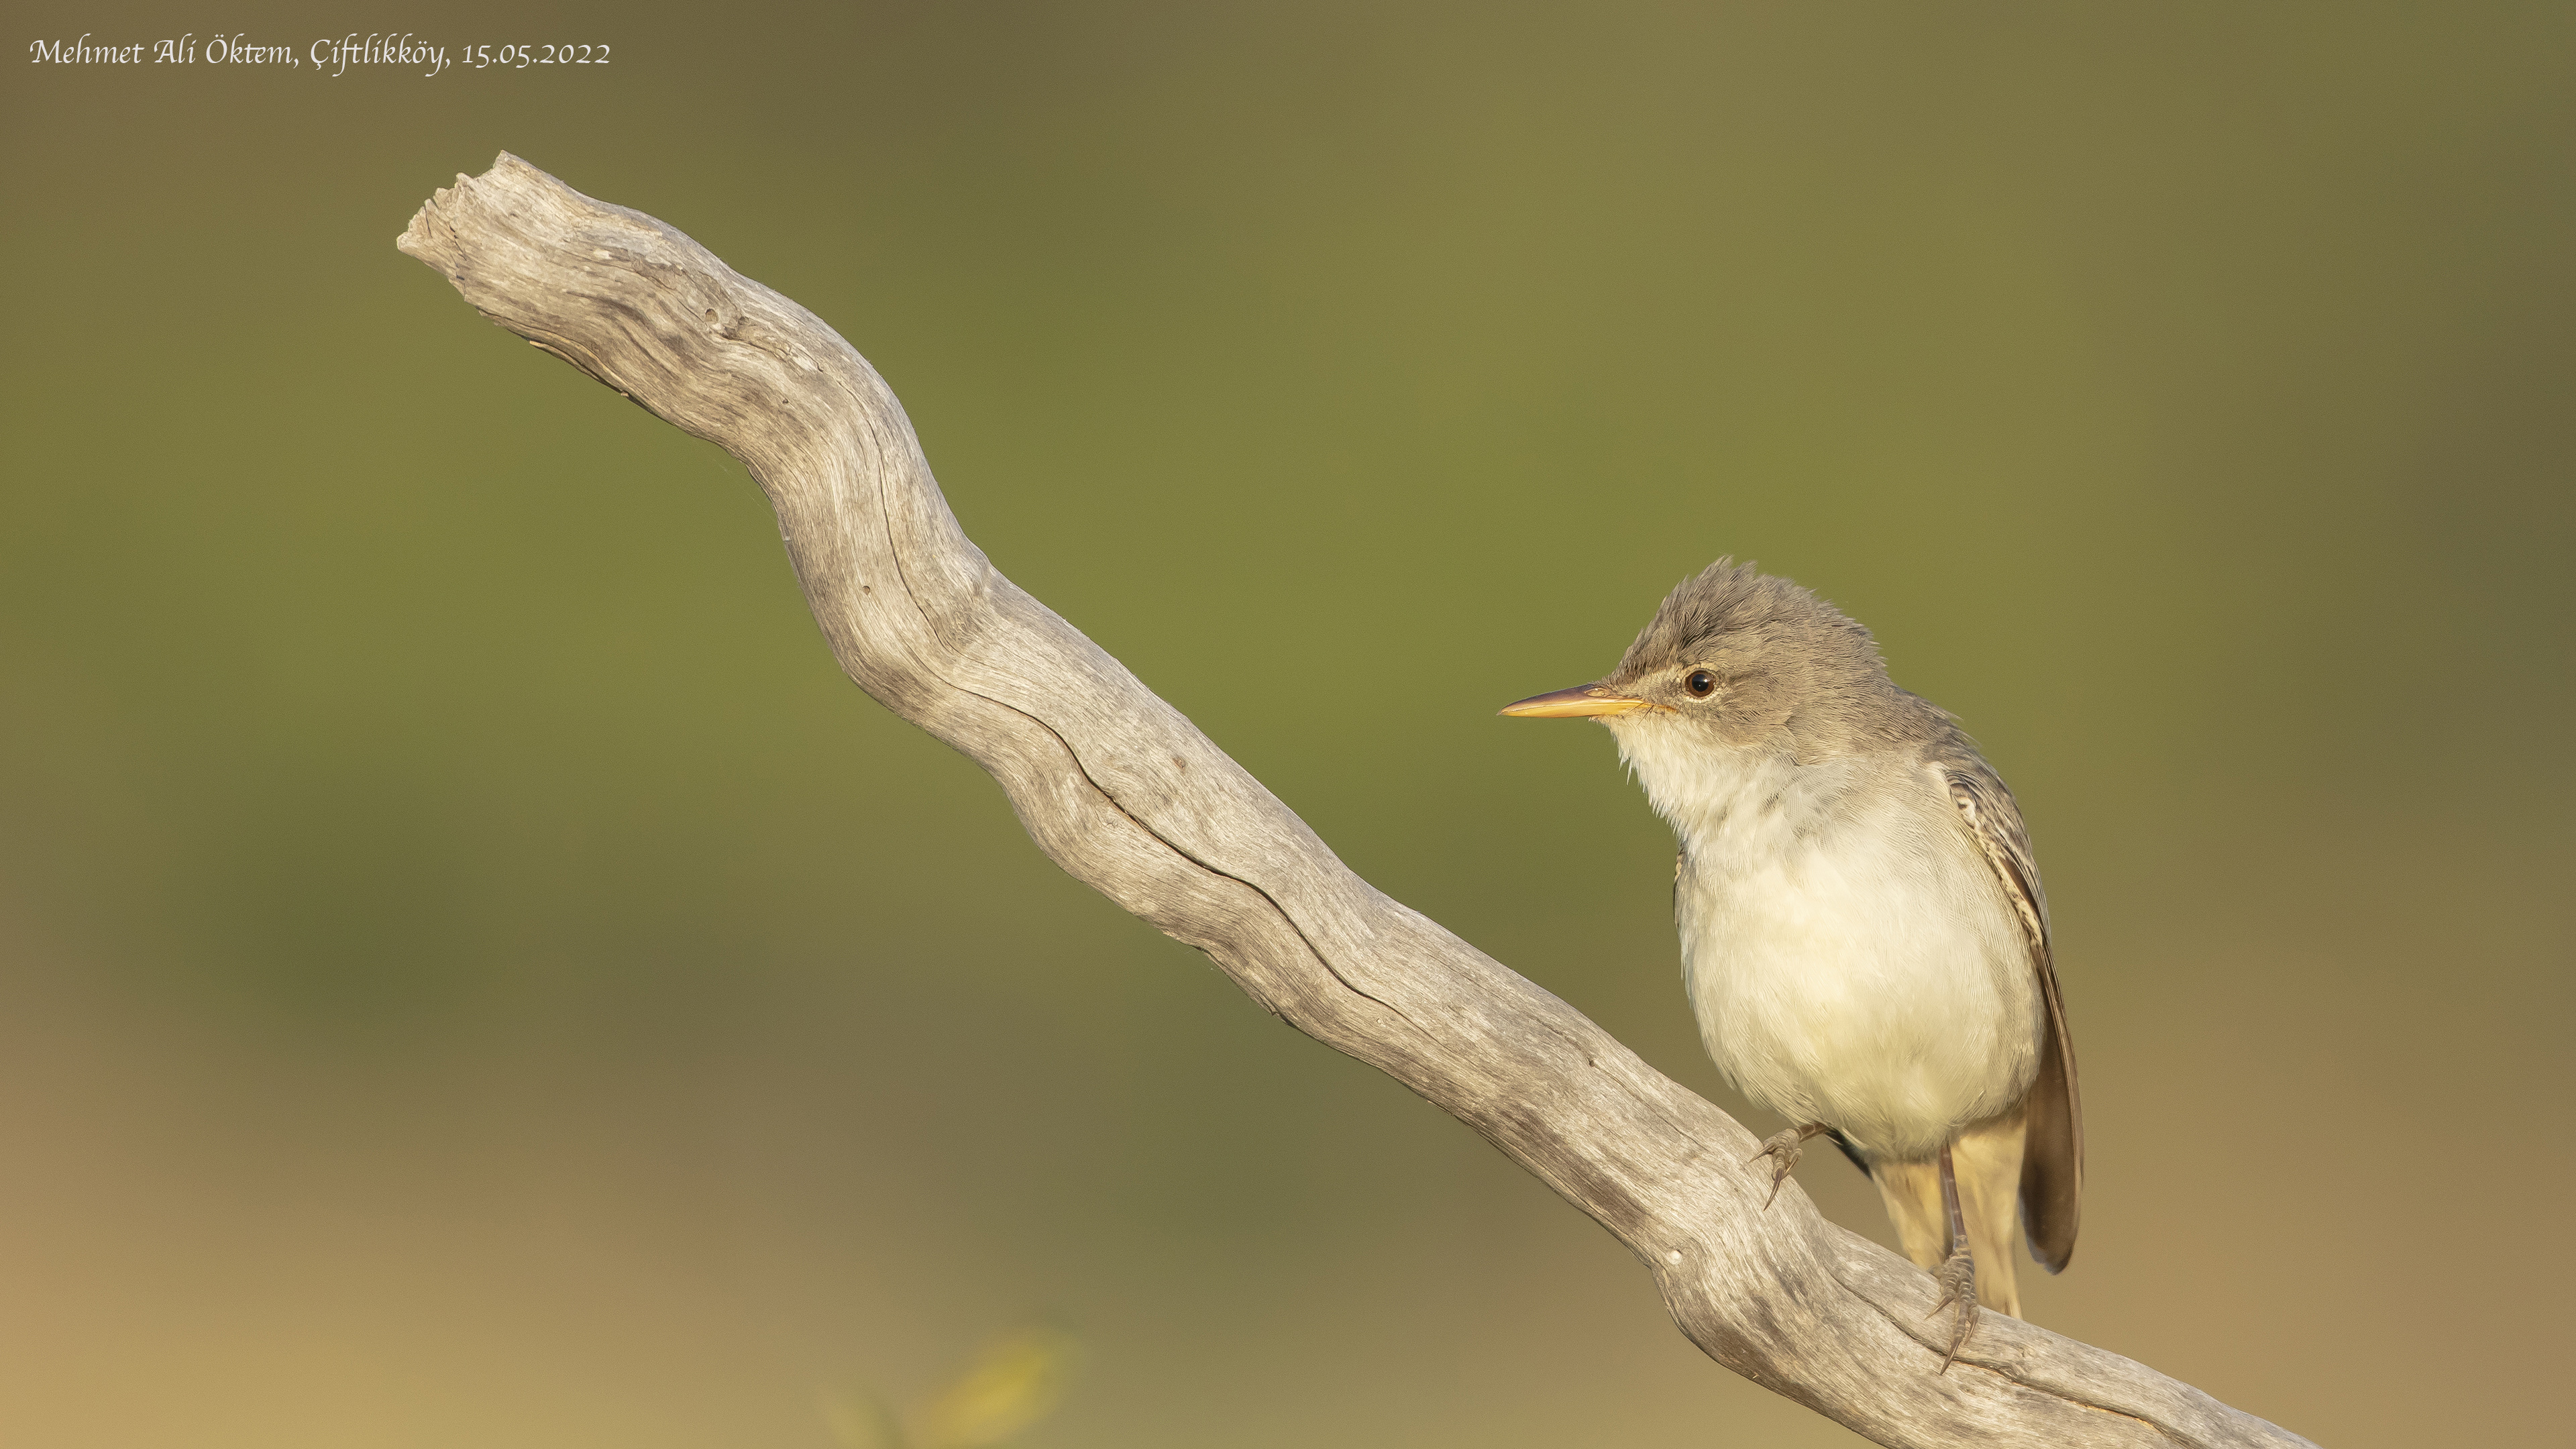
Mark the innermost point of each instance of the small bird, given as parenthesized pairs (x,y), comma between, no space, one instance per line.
(1863,934)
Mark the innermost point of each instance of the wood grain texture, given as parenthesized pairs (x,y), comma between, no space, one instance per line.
(1125,794)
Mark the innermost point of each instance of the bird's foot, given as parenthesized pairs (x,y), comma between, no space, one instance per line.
(1958,1279)
(1784,1148)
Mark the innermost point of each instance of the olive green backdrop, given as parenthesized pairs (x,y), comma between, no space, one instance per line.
(472,972)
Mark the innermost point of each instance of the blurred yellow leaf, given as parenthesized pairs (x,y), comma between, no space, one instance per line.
(1016,1382)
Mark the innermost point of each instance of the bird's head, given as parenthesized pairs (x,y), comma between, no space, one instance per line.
(1739,660)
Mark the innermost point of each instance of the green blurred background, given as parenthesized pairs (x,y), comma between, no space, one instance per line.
(472,972)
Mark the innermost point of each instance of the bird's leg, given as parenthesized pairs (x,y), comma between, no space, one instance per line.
(1958,1274)
(1785,1147)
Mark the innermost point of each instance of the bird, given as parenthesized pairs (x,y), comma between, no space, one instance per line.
(1864,937)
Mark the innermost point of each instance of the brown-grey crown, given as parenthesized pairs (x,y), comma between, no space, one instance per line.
(1756,663)
(1760,623)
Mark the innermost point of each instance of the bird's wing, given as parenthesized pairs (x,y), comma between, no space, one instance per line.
(2052,1164)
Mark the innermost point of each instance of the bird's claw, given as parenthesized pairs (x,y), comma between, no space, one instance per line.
(1785,1147)
(1958,1279)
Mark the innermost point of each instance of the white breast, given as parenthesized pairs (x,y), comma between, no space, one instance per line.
(1849,953)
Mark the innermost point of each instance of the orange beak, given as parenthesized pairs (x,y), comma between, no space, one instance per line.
(1578,702)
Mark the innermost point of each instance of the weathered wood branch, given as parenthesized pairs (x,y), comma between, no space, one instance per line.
(1123,792)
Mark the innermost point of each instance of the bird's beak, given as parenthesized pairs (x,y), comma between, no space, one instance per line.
(1584,699)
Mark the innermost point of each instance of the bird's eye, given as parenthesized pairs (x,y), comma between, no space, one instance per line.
(1701,683)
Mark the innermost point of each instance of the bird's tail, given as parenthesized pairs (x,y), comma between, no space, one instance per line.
(1986,1157)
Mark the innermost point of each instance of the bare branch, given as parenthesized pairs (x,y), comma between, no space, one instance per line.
(1123,792)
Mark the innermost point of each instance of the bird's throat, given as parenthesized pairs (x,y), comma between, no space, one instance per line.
(1725,800)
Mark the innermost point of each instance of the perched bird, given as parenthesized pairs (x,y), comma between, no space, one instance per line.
(1863,933)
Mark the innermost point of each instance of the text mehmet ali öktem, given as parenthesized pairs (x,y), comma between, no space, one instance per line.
(323,57)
